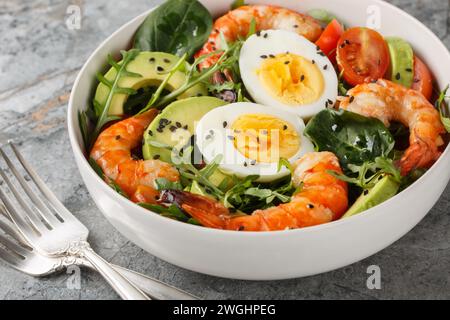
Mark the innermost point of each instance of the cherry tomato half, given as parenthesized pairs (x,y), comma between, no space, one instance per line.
(362,55)
(329,39)
(423,80)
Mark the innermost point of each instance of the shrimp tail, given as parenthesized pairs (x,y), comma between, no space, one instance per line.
(420,154)
(208,212)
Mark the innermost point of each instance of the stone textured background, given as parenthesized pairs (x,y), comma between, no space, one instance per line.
(39,59)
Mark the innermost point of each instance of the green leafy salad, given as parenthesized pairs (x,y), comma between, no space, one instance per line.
(262,119)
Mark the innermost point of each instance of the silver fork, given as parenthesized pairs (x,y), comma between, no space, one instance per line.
(16,252)
(59,234)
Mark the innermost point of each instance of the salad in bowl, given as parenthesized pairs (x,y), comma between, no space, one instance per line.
(261,119)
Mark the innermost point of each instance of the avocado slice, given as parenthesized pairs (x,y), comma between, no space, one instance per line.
(402,61)
(153,66)
(175,126)
(385,189)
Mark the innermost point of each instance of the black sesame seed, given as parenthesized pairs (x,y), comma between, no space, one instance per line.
(157,157)
(151,60)
(225,124)
(318,48)
(258,33)
(160,130)
(287,62)
(313,61)
(302,78)
(186,127)
(347,41)
(160,69)
(310,206)
(366,192)
(398,76)
(263,56)
(167,60)
(173,128)
(295,26)
(241,228)
(118,137)
(325,67)
(352,98)
(266,35)
(285,127)
(178,125)
(330,101)
(271,56)
(408,70)
(245,164)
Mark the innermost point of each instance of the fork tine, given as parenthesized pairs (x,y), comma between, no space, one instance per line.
(34,219)
(8,227)
(24,226)
(13,247)
(45,212)
(49,195)
(9,258)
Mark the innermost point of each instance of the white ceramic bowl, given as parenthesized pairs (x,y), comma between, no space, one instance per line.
(274,255)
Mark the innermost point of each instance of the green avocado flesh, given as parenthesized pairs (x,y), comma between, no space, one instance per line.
(176,125)
(385,189)
(153,66)
(402,61)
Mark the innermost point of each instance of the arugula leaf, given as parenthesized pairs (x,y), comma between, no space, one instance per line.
(368,173)
(171,212)
(237,3)
(162,184)
(102,111)
(176,26)
(441,106)
(354,139)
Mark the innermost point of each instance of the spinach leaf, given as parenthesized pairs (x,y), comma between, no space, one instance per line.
(354,138)
(176,26)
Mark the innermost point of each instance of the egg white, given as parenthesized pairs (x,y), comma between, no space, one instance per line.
(279,42)
(214,130)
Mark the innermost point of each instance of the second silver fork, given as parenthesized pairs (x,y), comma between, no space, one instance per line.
(50,228)
(20,255)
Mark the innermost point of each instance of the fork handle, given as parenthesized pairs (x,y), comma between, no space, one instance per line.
(124,288)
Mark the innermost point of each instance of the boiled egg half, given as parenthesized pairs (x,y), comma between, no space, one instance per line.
(285,70)
(250,139)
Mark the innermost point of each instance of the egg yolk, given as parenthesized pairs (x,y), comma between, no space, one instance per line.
(265,138)
(292,79)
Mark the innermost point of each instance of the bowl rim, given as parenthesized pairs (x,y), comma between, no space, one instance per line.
(379,209)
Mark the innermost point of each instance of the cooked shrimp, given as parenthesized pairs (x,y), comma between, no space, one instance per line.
(237,23)
(388,102)
(113,153)
(323,198)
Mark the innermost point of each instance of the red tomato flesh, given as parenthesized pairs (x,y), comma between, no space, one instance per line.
(329,39)
(423,80)
(362,56)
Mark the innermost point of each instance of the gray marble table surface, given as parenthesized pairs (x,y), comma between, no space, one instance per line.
(39,60)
